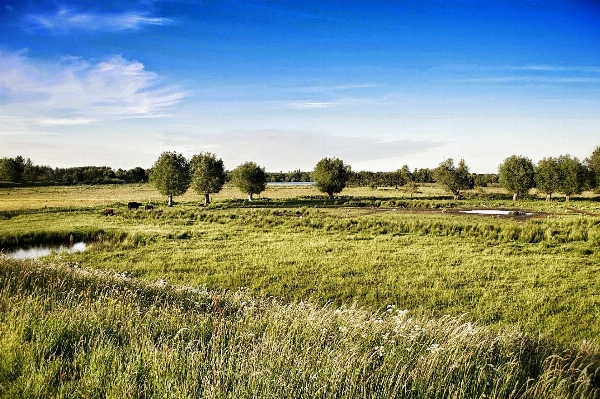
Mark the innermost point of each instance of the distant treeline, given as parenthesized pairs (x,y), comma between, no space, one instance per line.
(19,170)
(22,171)
(404,176)
(289,177)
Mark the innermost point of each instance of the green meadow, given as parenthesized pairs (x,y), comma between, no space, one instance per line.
(157,295)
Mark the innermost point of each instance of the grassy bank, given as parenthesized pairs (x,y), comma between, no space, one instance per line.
(68,331)
(429,195)
(542,273)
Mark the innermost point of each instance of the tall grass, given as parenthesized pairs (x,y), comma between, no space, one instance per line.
(68,331)
(539,273)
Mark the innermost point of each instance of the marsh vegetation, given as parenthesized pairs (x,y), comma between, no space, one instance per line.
(373,293)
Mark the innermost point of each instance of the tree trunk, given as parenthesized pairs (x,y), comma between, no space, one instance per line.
(549,197)
(330,195)
(206,199)
(170,201)
(457,195)
(515,195)
(567,197)
(249,196)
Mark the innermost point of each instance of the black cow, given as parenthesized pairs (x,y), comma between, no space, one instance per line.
(133,205)
(149,207)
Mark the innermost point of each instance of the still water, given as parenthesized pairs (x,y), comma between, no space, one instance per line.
(290,183)
(496,212)
(45,250)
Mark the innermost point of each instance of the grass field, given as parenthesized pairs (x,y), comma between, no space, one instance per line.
(71,332)
(368,250)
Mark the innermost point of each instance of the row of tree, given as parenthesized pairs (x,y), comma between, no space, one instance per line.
(518,175)
(172,175)
(397,178)
(19,170)
(563,174)
(289,177)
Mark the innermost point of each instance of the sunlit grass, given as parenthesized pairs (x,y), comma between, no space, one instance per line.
(429,195)
(71,332)
(301,296)
(541,273)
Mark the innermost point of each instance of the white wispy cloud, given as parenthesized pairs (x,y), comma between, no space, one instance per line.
(557,68)
(473,68)
(329,88)
(65,121)
(77,92)
(551,74)
(65,19)
(294,148)
(313,105)
(530,79)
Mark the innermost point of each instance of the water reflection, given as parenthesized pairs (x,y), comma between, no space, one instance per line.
(290,183)
(45,250)
(497,212)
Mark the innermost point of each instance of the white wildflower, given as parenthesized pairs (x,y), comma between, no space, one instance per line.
(433,348)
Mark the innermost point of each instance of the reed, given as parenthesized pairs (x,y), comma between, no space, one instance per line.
(69,331)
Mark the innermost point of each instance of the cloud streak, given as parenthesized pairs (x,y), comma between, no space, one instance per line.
(75,92)
(313,105)
(65,20)
(530,79)
(294,149)
(558,68)
(551,74)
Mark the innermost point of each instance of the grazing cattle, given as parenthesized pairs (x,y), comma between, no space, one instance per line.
(134,205)
(149,207)
(109,212)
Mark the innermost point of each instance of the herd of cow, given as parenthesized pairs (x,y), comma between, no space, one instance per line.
(130,205)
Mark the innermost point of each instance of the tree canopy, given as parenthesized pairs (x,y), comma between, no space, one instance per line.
(250,179)
(547,176)
(516,174)
(11,169)
(208,174)
(171,175)
(454,178)
(572,176)
(593,164)
(330,176)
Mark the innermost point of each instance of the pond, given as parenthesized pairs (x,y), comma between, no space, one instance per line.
(496,212)
(45,250)
(291,183)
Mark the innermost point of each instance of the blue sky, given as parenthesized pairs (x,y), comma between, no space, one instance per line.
(286,83)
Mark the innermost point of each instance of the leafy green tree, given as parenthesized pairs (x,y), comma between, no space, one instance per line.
(423,175)
(572,176)
(516,174)
(171,175)
(547,176)
(136,174)
(593,165)
(29,171)
(484,179)
(11,169)
(109,174)
(406,174)
(249,178)
(330,176)
(453,177)
(208,175)
(78,176)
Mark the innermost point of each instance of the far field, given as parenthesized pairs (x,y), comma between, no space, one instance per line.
(370,247)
